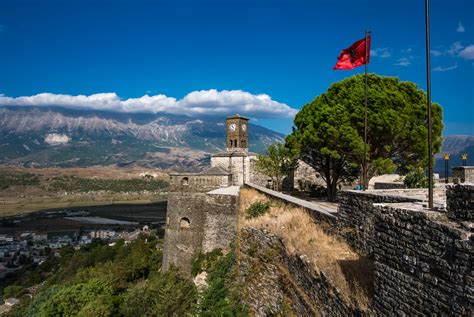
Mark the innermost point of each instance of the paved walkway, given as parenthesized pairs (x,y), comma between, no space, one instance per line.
(325,208)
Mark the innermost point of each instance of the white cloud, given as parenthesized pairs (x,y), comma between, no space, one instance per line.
(436,53)
(468,52)
(445,69)
(460,28)
(455,48)
(205,102)
(381,52)
(404,61)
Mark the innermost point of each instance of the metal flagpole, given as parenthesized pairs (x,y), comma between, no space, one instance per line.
(428,90)
(364,164)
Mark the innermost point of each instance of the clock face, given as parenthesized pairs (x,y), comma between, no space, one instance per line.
(244,127)
(232,127)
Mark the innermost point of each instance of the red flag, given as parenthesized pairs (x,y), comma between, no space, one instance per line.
(354,55)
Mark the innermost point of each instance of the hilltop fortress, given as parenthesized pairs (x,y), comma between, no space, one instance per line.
(202,207)
(422,259)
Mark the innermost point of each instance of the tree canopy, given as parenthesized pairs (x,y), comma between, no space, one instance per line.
(329,131)
(278,162)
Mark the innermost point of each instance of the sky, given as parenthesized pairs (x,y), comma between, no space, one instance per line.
(263,59)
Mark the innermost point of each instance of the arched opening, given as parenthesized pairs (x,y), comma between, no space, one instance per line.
(185,181)
(184,223)
(235,143)
(231,143)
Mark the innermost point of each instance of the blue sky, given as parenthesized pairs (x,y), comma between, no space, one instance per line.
(265,55)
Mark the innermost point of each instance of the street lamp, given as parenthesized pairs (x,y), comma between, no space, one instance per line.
(446,167)
(464,159)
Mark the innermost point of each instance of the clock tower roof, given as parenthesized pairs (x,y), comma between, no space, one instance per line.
(237,116)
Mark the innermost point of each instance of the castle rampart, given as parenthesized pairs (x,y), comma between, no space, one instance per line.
(423,258)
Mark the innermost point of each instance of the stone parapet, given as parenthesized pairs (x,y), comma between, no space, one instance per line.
(423,263)
(357,216)
(460,202)
(463,174)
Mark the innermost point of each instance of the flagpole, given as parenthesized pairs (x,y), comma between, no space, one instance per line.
(364,166)
(428,90)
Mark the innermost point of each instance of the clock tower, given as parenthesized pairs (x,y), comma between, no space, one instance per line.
(237,133)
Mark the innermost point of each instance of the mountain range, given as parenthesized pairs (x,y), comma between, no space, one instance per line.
(53,136)
(455,145)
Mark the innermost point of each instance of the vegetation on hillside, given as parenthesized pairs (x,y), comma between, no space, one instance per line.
(18,179)
(122,280)
(329,131)
(350,273)
(77,184)
(73,183)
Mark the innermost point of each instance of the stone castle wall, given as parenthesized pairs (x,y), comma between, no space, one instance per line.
(357,216)
(270,275)
(238,166)
(460,202)
(220,224)
(196,183)
(423,259)
(463,174)
(196,220)
(242,169)
(183,240)
(423,264)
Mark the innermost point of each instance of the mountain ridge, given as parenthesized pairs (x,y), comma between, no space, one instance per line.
(54,136)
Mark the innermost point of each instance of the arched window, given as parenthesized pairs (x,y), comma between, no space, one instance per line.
(184,223)
(185,181)
(235,143)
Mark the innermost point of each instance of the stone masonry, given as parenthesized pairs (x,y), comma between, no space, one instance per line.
(202,208)
(423,258)
(200,216)
(463,174)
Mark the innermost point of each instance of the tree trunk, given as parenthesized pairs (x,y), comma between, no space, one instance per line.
(331,190)
(331,181)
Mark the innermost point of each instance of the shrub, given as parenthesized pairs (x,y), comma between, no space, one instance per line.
(416,179)
(258,209)
(13,291)
(220,298)
(70,300)
(204,261)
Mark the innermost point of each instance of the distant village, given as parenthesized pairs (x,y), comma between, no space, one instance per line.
(21,248)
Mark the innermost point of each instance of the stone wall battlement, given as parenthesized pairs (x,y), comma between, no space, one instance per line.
(189,182)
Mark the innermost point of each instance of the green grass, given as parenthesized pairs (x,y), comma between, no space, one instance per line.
(258,209)
(23,179)
(78,184)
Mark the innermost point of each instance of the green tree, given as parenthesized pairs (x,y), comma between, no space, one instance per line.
(80,299)
(278,162)
(416,179)
(164,294)
(329,131)
(13,291)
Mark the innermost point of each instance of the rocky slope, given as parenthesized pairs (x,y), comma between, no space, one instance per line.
(32,136)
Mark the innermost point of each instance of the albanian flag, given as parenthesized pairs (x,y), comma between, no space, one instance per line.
(354,55)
